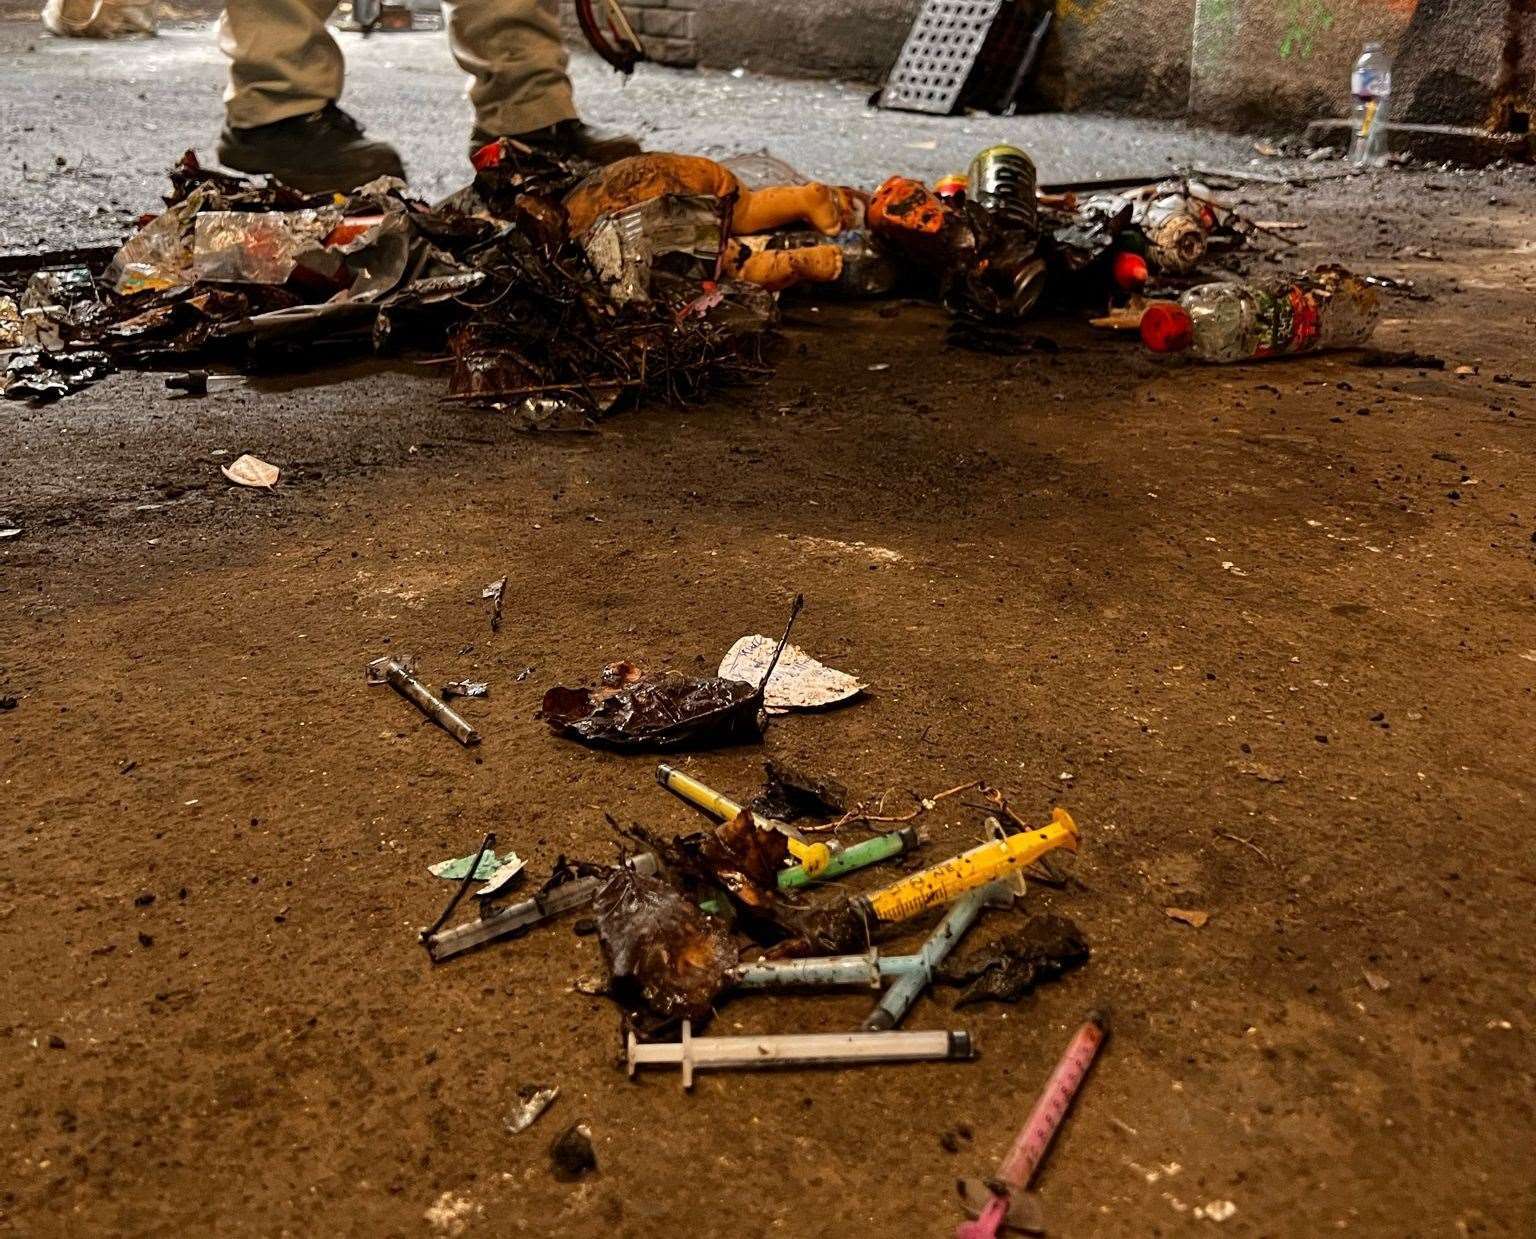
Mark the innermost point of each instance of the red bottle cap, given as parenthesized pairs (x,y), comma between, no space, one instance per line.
(1167,328)
(488,156)
(1130,271)
(952,186)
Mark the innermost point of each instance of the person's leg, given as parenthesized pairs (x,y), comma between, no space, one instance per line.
(513,51)
(283,61)
(281,116)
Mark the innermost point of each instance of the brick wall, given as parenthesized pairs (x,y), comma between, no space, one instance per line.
(665,27)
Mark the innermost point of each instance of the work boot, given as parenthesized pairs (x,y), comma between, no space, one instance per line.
(319,152)
(568,139)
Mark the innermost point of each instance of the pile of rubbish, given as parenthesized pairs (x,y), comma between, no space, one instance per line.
(556,291)
(757,901)
(672,914)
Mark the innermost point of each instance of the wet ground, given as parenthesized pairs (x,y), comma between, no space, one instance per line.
(1268,631)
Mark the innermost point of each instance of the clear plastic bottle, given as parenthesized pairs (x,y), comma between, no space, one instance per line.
(1371,85)
(1175,241)
(868,270)
(1168,229)
(1321,309)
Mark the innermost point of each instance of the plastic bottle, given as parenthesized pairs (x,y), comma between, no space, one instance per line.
(1371,85)
(867,269)
(1321,309)
(1175,237)
(1167,229)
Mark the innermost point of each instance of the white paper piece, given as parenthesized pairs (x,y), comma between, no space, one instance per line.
(251,470)
(799,682)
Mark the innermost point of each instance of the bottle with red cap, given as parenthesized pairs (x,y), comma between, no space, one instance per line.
(1321,309)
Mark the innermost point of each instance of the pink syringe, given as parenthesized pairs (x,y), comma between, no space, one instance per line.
(1013,1176)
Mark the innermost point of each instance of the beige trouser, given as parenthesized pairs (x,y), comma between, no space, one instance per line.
(285,62)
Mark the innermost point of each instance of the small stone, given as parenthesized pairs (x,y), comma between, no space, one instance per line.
(1189,916)
(572,1154)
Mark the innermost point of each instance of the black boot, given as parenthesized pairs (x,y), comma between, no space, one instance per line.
(568,139)
(320,152)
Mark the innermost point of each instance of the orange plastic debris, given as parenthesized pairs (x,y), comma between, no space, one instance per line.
(641,178)
(779,269)
(903,205)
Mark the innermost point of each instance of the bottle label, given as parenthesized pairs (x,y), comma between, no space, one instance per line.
(1289,321)
(1305,320)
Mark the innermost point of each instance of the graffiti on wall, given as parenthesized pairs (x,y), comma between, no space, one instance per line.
(1305,21)
(1084,11)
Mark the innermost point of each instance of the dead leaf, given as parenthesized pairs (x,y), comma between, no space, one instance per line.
(1263,773)
(1123,318)
(799,682)
(660,948)
(1190,916)
(790,793)
(745,858)
(662,710)
(248,470)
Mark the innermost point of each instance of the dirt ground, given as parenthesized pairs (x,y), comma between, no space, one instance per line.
(1267,631)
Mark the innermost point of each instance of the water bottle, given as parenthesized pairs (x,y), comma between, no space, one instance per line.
(1320,309)
(1371,85)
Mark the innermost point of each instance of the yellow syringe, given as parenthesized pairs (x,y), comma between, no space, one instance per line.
(813,856)
(945,882)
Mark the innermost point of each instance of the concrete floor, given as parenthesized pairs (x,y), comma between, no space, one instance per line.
(1268,631)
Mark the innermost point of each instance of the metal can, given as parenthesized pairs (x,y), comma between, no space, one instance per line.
(1002,181)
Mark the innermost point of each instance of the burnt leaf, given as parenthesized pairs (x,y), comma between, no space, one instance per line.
(665,709)
(1010,966)
(661,951)
(744,858)
(790,793)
